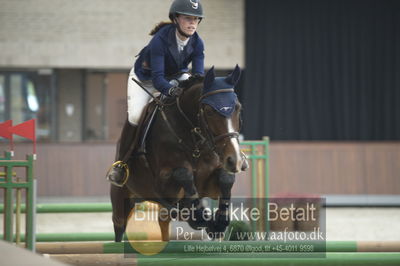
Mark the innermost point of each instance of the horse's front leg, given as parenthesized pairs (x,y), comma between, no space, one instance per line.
(221,219)
(164,226)
(184,177)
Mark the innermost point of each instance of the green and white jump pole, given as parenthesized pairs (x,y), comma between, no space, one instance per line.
(10,185)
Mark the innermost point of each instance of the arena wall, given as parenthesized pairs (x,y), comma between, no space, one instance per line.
(107,34)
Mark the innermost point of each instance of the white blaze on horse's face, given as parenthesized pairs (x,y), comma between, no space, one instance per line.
(225,130)
(236,147)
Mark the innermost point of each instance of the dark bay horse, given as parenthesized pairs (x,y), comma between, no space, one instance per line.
(192,152)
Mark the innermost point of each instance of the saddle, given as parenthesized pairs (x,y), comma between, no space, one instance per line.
(150,111)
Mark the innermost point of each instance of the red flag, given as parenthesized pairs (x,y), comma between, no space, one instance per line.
(5,133)
(25,129)
(4,129)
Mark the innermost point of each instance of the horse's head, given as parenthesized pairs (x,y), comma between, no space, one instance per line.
(220,117)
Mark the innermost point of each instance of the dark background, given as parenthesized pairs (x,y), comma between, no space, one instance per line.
(322,70)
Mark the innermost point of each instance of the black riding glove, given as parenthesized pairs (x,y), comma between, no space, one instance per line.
(175,91)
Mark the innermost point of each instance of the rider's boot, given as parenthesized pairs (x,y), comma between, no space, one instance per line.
(119,172)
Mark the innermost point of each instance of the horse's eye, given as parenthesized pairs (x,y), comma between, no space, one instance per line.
(208,112)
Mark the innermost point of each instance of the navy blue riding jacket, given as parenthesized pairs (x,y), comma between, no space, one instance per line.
(160,58)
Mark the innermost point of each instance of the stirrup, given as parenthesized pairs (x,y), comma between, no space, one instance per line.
(122,165)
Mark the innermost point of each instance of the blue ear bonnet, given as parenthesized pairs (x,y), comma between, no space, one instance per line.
(223,102)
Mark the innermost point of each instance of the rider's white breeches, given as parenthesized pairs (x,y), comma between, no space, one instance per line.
(138,98)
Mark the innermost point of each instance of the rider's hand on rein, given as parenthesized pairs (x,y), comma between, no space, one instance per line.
(175,91)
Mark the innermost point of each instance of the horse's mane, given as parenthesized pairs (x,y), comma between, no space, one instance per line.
(193,80)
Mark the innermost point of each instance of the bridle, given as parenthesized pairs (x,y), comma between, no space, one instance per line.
(202,119)
(201,134)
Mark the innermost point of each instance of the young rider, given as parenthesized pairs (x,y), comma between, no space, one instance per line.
(173,47)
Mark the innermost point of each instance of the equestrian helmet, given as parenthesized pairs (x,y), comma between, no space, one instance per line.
(186,7)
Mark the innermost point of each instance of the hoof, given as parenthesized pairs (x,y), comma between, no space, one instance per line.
(200,219)
(218,225)
(119,233)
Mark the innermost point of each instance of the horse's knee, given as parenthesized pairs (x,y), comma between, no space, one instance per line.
(225,179)
(182,174)
(183,177)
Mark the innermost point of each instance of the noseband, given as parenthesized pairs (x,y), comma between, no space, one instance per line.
(214,139)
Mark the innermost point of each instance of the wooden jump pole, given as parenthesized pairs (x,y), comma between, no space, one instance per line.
(182,247)
(349,258)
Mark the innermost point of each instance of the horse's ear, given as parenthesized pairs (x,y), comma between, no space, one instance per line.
(234,77)
(209,78)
